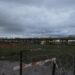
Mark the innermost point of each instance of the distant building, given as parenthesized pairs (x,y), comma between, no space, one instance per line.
(71,42)
(43,42)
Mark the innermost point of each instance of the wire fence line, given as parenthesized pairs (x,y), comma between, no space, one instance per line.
(66,65)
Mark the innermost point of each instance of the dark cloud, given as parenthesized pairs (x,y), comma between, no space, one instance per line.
(37,17)
(9,26)
(45,3)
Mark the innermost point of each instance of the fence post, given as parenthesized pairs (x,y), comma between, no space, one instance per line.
(21,62)
(74,64)
(53,69)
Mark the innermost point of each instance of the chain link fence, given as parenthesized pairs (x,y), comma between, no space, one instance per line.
(65,62)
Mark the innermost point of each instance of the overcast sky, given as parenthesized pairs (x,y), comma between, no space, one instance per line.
(37,18)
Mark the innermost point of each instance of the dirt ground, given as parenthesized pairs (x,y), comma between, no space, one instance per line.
(6,68)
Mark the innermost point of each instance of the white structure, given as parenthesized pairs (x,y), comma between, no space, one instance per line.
(56,41)
(71,41)
(43,42)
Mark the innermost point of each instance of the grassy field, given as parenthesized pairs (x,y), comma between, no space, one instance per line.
(63,53)
(52,49)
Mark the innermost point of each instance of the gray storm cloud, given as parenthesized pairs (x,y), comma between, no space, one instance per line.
(30,18)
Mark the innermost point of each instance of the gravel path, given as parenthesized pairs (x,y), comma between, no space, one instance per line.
(6,68)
